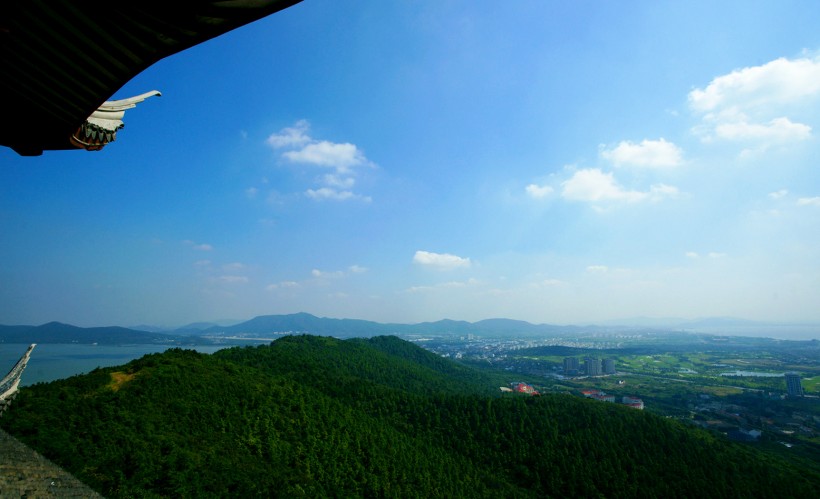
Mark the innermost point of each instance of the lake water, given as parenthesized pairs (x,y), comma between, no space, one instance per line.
(53,361)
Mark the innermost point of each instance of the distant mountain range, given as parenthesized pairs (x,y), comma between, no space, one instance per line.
(307,323)
(57,332)
(268,326)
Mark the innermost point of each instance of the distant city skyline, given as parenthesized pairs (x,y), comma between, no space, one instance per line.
(414,161)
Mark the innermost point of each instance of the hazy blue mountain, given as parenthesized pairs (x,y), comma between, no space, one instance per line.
(57,332)
(301,323)
(149,328)
(646,322)
(728,322)
(270,326)
(307,323)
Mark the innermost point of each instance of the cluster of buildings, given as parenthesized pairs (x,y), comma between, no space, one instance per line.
(633,402)
(592,366)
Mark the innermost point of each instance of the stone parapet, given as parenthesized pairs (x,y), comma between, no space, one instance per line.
(25,473)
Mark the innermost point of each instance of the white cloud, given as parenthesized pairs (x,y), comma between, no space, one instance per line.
(291,136)
(660,191)
(233,266)
(198,247)
(813,201)
(339,156)
(299,148)
(233,279)
(776,131)
(750,104)
(339,181)
(440,261)
(251,192)
(337,274)
(597,269)
(202,263)
(327,274)
(782,81)
(334,195)
(283,284)
(712,254)
(779,194)
(538,191)
(443,285)
(593,185)
(648,154)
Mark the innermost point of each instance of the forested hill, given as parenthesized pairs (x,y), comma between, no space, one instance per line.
(316,417)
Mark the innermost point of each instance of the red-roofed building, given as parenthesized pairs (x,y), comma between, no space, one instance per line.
(633,402)
(524,388)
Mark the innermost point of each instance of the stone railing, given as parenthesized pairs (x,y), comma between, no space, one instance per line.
(25,473)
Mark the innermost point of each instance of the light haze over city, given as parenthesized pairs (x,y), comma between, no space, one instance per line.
(408,161)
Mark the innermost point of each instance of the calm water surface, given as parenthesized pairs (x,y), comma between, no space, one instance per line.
(49,361)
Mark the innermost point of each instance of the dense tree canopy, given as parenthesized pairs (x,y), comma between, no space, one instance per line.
(315,416)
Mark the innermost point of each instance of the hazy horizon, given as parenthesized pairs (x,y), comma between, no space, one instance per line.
(560,163)
(718,326)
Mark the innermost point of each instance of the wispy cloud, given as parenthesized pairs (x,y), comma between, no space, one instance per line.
(440,261)
(233,279)
(779,194)
(297,147)
(282,285)
(647,154)
(329,193)
(593,185)
(538,191)
(294,136)
(712,254)
(443,285)
(813,201)
(597,269)
(778,130)
(327,274)
(198,246)
(551,282)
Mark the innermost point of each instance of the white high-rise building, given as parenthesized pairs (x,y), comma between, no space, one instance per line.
(793,386)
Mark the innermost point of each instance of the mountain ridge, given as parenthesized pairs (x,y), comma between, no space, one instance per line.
(274,325)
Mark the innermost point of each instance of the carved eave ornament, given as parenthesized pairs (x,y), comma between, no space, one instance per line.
(101,127)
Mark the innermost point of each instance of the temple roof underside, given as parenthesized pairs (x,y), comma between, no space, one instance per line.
(61,60)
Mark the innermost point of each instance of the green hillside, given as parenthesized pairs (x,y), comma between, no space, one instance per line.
(319,417)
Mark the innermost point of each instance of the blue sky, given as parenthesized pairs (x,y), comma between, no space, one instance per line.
(555,162)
